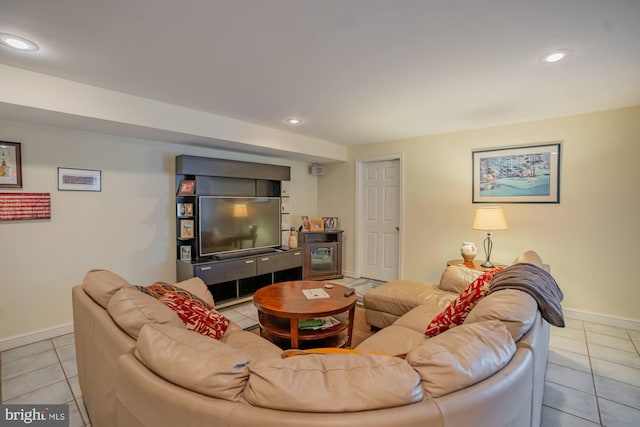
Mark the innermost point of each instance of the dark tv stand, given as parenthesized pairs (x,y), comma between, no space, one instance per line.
(234,280)
(232,277)
(248,252)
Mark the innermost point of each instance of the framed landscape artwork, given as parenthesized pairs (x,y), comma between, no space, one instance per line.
(524,174)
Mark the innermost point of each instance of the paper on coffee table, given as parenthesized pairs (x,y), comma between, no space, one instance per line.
(315,293)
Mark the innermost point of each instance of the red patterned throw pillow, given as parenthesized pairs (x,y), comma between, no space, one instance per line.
(159,289)
(458,309)
(196,318)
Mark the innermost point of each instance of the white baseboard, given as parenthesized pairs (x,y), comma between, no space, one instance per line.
(620,322)
(35,336)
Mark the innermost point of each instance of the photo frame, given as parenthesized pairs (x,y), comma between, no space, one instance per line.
(305,223)
(185,253)
(187,186)
(184,210)
(71,179)
(316,225)
(521,174)
(10,165)
(330,222)
(186,229)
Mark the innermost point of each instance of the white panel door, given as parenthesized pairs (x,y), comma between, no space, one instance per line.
(380,215)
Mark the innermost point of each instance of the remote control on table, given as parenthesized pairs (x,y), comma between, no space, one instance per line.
(349,292)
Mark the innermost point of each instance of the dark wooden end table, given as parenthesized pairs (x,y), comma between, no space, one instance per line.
(281,305)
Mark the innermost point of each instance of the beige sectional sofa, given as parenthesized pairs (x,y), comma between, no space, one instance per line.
(139,366)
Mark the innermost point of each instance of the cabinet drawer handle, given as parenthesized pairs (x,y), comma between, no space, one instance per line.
(296,253)
(264,259)
(249,261)
(205,268)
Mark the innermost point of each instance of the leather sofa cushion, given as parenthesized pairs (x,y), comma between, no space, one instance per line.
(399,296)
(333,383)
(259,348)
(462,356)
(131,310)
(456,278)
(101,285)
(419,318)
(193,361)
(394,340)
(516,309)
(531,257)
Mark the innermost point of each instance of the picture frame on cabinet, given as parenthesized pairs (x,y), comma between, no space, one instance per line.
(10,165)
(316,225)
(186,229)
(184,210)
(330,222)
(185,253)
(305,223)
(187,186)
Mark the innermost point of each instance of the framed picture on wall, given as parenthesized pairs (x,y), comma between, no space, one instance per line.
(10,165)
(70,179)
(523,174)
(186,229)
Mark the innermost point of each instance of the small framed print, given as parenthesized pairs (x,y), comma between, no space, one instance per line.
(305,223)
(316,225)
(79,179)
(184,209)
(186,229)
(10,165)
(187,186)
(330,222)
(185,253)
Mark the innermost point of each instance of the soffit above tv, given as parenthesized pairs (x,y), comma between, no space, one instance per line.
(195,165)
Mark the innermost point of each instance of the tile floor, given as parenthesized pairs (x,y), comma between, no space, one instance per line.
(593,373)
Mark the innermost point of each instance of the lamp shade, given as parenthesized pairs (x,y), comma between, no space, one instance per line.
(489,219)
(240,211)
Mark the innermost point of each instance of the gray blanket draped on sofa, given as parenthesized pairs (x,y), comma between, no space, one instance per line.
(538,283)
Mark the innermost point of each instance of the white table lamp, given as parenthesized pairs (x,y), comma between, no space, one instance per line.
(490,218)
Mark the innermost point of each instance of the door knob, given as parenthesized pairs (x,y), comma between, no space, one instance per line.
(397,228)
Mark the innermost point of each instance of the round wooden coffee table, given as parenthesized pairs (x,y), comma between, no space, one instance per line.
(281,305)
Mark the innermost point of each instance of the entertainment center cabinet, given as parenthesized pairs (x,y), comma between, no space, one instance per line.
(232,277)
(322,254)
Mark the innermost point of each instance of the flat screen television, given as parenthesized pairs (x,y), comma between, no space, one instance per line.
(230,224)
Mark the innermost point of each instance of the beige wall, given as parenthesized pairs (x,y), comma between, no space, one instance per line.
(128,227)
(590,238)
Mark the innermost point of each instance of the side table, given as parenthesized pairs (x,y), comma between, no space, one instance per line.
(475,265)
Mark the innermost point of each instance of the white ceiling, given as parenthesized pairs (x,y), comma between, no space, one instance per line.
(357,71)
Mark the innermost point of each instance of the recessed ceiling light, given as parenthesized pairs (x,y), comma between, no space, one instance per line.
(293,121)
(556,55)
(17,42)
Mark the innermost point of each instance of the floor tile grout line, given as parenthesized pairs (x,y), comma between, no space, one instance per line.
(593,377)
(576,416)
(66,378)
